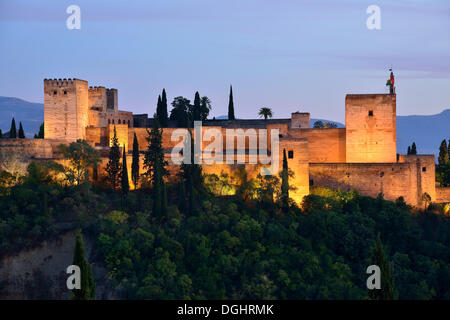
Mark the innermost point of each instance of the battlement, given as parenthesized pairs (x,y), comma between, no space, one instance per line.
(61,83)
(95,89)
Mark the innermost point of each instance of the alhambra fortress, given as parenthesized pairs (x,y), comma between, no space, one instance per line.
(362,156)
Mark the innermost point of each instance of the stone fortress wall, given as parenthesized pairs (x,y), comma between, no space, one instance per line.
(361,156)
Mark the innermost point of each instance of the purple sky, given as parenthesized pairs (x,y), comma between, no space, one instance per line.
(290,55)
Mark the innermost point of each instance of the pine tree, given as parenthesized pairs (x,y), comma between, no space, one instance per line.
(443,153)
(386,292)
(231,106)
(135,162)
(413,148)
(164,114)
(285,184)
(1,134)
(124,178)
(13,130)
(21,133)
(113,168)
(409,150)
(87,290)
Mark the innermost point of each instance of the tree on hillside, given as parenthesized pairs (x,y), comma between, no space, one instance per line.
(426,198)
(161,109)
(135,162)
(124,178)
(285,184)
(155,164)
(265,112)
(114,168)
(324,125)
(21,132)
(205,108)
(231,105)
(180,111)
(81,156)
(158,109)
(378,258)
(413,148)
(196,108)
(40,135)
(13,130)
(443,153)
(87,290)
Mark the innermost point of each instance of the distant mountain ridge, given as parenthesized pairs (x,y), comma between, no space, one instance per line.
(427,131)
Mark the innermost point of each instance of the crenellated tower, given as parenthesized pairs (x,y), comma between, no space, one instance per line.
(65,108)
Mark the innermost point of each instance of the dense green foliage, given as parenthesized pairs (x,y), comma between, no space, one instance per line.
(231,248)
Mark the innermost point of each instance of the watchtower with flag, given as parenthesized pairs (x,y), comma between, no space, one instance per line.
(391,82)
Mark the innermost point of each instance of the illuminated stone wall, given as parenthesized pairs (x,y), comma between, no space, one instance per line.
(324,145)
(370,121)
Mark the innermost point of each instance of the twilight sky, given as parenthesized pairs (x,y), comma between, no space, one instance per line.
(290,55)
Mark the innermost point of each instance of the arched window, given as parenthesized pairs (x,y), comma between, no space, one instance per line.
(113,121)
(118,121)
(109,121)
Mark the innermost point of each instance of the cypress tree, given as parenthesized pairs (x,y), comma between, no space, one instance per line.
(40,135)
(386,292)
(231,105)
(158,109)
(443,153)
(13,130)
(1,134)
(155,164)
(409,150)
(164,114)
(135,162)
(124,179)
(21,133)
(87,290)
(285,184)
(197,108)
(113,168)
(413,148)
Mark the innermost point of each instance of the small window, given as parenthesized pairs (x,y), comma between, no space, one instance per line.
(311,182)
(291,154)
(54,92)
(370,113)
(109,121)
(381,174)
(424,169)
(65,92)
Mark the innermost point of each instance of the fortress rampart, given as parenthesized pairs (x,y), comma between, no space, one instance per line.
(361,156)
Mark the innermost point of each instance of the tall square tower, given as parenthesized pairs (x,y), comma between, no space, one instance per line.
(65,108)
(370,122)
